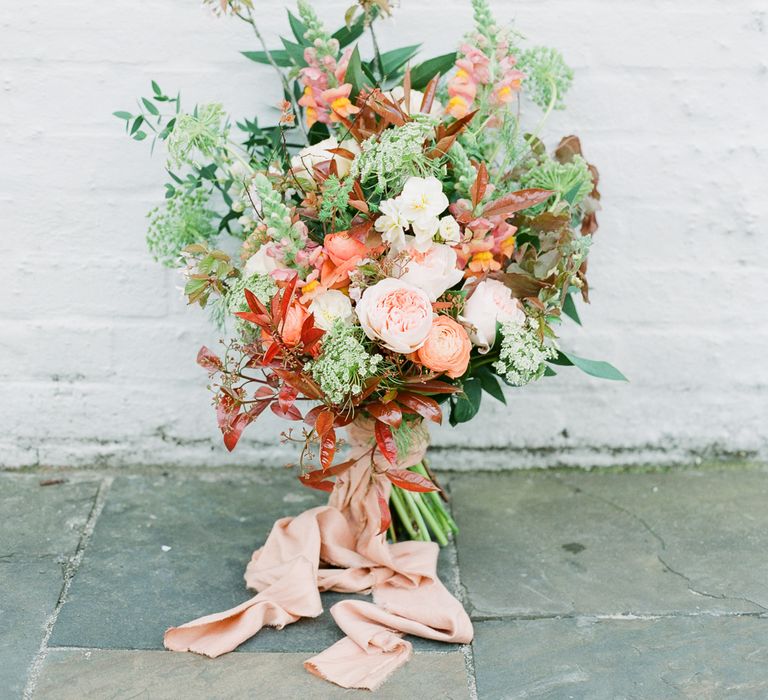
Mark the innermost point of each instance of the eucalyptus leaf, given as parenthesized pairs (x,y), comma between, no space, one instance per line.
(150,107)
(123,115)
(298,28)
(570,310)
(346,35)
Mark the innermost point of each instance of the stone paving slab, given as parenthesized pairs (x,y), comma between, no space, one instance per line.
(696,657)
(76,674)
(40,527)
(168,549)
(538,543)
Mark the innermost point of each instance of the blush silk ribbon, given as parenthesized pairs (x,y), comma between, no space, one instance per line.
(286,573)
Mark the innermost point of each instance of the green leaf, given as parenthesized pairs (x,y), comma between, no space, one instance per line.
(136,124)
(392,60)
(295,51)
(595,368)
(490,383)
(127,116)
(150,107)
(298,28)
(467,404)
(140,135)
(355,74)
(549,372)
(424,72)
(279,56)
(570,310)
(156,89)
(346,35)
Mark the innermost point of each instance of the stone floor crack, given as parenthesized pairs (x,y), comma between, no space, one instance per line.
(70,569)
(716,596)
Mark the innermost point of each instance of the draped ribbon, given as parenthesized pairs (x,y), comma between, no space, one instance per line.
(286,573)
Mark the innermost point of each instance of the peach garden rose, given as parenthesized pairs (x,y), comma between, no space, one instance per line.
(396,313)
(447,348)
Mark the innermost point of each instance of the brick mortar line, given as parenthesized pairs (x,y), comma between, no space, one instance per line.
(70,570)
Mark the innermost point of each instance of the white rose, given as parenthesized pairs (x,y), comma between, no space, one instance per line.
(491,301)
(261,262)
(397,314)
(397,94)
(329,307)
(303,163)
(433,271)
(422,198)
(449,230)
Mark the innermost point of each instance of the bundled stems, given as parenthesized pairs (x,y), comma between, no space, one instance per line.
(422,514)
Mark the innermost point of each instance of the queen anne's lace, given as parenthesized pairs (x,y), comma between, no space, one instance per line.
(522,357)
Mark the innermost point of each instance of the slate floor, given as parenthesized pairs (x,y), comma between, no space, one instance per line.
(581,585)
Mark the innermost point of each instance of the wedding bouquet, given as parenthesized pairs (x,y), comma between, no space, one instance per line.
(398,244)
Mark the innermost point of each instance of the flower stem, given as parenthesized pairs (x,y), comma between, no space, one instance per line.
(431,519)
(423,533)
(405,519)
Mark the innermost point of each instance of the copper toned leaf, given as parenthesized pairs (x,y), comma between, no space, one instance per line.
(410,481)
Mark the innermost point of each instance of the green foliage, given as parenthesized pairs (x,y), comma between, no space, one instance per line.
(204,132)
(184,219)
(595,368)
(424,72)
(547,77)
(465,406)
(335,200)
(464,172)
(571,181)
(484,22)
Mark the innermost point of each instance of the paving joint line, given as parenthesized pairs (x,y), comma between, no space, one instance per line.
(70,570)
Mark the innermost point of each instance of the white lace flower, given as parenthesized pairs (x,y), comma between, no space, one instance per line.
(422,197)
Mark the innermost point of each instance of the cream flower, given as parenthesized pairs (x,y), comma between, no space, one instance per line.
(491,301)
(303,163)
(261,262)
(391,224)
(422,198)
(449,230)
(397,314)
(329,307)
(397,94)
(434,271)
(424,229)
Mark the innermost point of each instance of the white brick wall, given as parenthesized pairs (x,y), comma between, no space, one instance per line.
(97,349)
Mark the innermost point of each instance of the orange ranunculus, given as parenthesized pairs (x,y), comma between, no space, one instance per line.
(447,348)
(294,320)
(344,252)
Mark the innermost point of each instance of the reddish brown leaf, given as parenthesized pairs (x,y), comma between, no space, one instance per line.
(287,296)
(208,360)
(304,384)
(324,421)
(253,303)
(320,474)
(410,481)
(226,409)
(343,152)
(360,205)
(388,413)
(287,396)
(522,285)
(261,320)
(516,201)
(460,124)
(386,441)
(327,448)
(423,405)
(291,413)
(326,486)
(407,90)
(271,353)
(386,516)
(429,95)
(234,430)
(480,185)
(257,409)
(431,386)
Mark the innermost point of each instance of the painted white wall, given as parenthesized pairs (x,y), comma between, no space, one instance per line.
(97,348)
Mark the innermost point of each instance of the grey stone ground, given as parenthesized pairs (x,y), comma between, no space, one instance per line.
(650,584)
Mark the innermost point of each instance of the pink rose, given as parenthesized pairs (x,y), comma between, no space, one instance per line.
(396,313)
(434,271)
(491,301)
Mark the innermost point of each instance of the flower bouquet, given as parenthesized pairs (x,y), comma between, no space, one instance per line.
(398,244)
